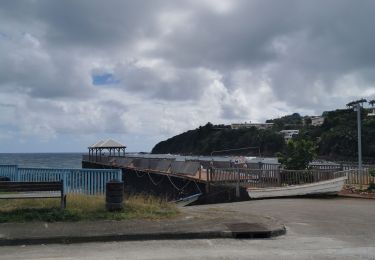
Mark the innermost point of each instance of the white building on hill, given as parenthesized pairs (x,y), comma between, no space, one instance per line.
(248,125)
(317,120)
(288,134)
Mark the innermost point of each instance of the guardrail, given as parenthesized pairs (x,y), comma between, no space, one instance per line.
(270,178)
(87,181)
(265,171)
(356,177)
(10,171)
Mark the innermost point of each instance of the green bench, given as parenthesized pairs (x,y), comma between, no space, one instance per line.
(33,190)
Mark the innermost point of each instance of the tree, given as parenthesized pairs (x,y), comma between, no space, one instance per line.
(206,139)
(297,155)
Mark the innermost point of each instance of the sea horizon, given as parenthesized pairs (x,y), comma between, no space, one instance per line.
(43,160)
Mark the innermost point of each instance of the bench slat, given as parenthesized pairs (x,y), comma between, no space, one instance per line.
(31,186)
(53,189)
(10,189)
(29,182)
(25,195)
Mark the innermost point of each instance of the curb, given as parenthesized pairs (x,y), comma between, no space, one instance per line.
(144,237)
(355,196)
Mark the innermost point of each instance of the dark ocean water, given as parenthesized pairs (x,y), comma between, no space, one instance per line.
(43,160)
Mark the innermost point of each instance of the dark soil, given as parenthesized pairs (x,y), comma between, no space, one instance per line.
(358,193)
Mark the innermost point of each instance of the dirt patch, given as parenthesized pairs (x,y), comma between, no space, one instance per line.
(355,192)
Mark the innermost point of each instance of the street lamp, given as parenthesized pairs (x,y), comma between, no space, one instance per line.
(356,105)
(372,103)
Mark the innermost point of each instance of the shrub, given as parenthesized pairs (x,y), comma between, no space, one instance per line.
(297,155)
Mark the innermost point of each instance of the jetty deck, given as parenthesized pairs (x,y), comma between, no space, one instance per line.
(219,172)
(211,177)
(190,170)
(201,171)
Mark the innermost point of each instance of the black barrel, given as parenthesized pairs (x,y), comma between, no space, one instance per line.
(114,195)
(3,178)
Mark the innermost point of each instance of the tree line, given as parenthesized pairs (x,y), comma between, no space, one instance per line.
(336,138)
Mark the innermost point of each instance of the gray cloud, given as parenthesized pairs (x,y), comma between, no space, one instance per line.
(239,38)
(162,82)
(219,61)
(302,43)
(100,24)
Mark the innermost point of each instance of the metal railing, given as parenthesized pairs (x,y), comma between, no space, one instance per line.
(357,177)
(9,171)
(270,178)
(87,181)
(267,171)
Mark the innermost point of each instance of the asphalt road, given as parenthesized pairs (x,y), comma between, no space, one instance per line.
(317,229)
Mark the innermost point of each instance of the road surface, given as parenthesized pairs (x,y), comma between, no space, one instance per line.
(316,229)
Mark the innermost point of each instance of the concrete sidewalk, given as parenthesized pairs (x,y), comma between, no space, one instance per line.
(194,222)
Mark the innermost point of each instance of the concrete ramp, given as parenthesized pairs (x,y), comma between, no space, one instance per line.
(221,164)
(125,162)
(215,164)
(141,163)
(160,165)
(187,168)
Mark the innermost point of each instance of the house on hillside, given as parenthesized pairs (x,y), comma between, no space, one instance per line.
(289,134)
(317,120)
(248,125)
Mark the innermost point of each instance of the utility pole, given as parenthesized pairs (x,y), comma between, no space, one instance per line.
(356,105)
(359,130)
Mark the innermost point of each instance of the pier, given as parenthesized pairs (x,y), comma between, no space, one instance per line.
(166,177)
(217,180)
(175,178)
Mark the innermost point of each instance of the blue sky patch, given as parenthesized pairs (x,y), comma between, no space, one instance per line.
(104,79)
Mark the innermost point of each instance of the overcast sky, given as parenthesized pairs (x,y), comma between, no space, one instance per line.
(73,72)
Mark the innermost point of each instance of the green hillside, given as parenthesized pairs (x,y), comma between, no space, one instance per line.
(336,138)
(209,138)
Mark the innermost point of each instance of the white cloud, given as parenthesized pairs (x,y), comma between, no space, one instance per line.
(177,65)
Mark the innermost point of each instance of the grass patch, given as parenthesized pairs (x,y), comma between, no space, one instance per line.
(83,207)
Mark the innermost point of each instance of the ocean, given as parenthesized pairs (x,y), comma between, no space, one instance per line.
(74,160)
(43,160)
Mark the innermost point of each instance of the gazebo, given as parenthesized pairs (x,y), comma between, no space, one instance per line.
(113,147)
